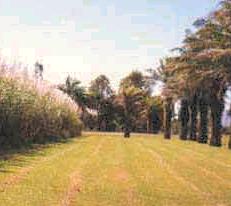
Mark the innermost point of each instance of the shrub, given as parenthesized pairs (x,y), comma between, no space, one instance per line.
(31,113)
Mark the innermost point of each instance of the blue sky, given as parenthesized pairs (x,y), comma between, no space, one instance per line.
(85,38)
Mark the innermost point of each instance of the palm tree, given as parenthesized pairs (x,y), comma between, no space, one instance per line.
(176,87)
(138,80)
(206,57)
(214,35)
(76,92)
(202,73)
(165,75)
(203,109)
(101,93)
(154,114)
(193,106)
(132,104)
(184,118)
(168,112)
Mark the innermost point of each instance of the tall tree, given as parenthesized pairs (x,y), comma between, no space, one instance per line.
(131,102)
(164,74)
(101,93)
(138,80)
(168,113)
(76,92)
(204,63)
(184,118)
(193,105)
(214,61)
(155,114)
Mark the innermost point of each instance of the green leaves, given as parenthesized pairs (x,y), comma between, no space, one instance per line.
(34,114)
(204,57)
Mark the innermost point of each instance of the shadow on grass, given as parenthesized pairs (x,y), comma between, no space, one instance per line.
(23,156)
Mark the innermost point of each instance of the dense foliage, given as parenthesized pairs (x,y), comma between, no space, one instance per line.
(34,113)
(132,108)
(196,77)
(199,76)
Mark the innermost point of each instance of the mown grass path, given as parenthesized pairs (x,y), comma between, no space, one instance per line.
(106,170)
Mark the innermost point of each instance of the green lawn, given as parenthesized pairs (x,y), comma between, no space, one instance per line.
(106,170)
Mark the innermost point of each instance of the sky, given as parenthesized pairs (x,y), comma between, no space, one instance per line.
(86,38)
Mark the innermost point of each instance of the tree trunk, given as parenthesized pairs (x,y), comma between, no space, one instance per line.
(203,131)
(98,118)
(126,132)
(167,118)
(229,144)
(127,129)
(148,125)
(217,107)
(193,118)
(184,118)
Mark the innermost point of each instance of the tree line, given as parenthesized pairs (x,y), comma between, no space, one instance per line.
(131,109)
(198,76)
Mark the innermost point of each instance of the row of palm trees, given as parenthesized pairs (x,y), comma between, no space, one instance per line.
(131,109)
(199,75)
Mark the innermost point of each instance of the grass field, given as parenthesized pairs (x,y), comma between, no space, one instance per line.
(106,170)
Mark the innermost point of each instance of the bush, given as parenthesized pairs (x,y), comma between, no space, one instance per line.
(34,114)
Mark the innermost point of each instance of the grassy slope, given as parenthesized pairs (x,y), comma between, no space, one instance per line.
(101,169)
